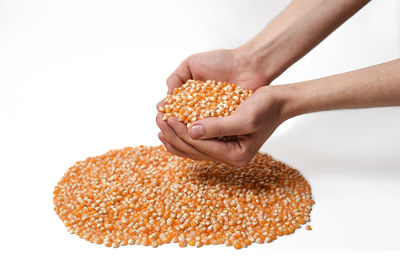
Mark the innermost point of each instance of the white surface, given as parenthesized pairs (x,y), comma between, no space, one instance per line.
(78,78)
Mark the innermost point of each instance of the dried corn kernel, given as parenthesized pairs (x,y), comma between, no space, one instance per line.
(196,100)
(147,196)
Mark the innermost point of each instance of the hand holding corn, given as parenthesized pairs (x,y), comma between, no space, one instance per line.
(256,118)
(220,65)
(299,28)
(251,121)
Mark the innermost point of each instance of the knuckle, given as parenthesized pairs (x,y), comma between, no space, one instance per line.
(160,104)
(160,123)
(189,59)
(213,127)
(168,148)
(241,159)
(239,163)
(158,117)
(219,131)
(252,123)
(170,78)
(180,131)
(181,134)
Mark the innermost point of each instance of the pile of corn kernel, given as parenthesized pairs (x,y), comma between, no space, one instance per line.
(146,196)
(197,100)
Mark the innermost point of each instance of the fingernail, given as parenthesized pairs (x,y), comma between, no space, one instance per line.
(196,131)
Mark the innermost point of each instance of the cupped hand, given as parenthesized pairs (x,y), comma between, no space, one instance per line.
(252,124)
(221,65)
(225,65)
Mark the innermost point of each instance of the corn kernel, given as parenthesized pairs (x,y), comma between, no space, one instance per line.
(145,195)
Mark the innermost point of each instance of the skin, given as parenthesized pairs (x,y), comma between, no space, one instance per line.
(301,26)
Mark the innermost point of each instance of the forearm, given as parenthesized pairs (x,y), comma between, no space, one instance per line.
(375,86)
(293,33)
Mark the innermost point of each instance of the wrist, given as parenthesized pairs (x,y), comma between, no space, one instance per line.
(274,102)
(256,60)
(269,55)
(290,99)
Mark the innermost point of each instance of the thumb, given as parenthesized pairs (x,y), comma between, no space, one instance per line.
(217,127)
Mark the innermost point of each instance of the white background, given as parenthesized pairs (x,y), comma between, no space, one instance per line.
(78,78)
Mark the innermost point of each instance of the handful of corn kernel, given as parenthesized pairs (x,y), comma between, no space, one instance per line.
(197,100)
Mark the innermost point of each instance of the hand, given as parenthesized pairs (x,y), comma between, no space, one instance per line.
(253,122)
(232,66)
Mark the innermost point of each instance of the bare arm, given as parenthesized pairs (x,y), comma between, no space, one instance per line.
(287,38)
(375,86)
(294,32)
(258,117)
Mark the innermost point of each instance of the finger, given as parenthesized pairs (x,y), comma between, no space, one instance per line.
(226,152)
(175,141)
(160,106)
(159,119)
(218,127)
(179,76)
(171,149)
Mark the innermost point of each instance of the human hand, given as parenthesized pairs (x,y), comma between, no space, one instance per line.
(260,114)
(233,66)
(252,123)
